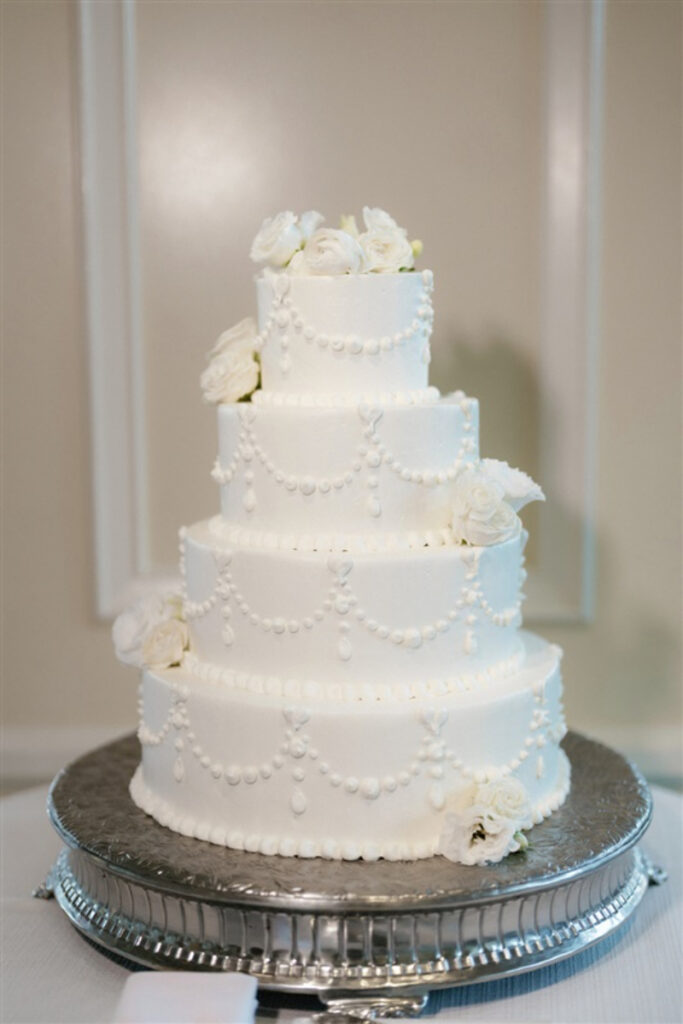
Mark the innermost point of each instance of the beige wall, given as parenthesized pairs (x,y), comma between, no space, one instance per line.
(469,142)
(57,666)
(624,673)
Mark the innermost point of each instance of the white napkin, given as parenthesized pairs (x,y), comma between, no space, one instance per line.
(187,997)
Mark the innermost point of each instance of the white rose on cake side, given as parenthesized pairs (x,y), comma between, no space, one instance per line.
(518,486)
(165,644)
(232,375)
(479,514)
(240,338)
(331,251)
(486,501)
(133,626)
(277,241)
(485,822)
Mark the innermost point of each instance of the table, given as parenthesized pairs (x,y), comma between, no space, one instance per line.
(51,974)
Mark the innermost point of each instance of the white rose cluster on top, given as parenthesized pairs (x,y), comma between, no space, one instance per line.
(304,247)
(233,371)
(152,633)
(485,822)
(329,251)
(486,501)
(277,241)
(384,243)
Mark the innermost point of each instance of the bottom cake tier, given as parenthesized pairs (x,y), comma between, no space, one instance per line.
(343,779)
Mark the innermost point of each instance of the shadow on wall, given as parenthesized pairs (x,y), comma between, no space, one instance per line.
(635,682)
(494,369)
(622,670)
(497,372)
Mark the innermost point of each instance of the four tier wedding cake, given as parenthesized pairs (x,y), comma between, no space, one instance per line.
(343,674)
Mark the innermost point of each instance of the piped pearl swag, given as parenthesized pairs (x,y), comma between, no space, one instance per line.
(284,321)
(371,454)
(297,753)
(343,603)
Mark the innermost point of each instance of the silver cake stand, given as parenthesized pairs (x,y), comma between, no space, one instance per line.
(369,939)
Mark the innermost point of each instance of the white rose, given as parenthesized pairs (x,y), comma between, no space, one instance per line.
(310,222)
(297,265)
(164,644)
(277,241)
(518,487)
(240,338)
(133,625)
(331,251)
(466,838)
(230,376)
(387,250)
(501,526)
(483,825)
(479,514)
(173,605)
(505,798)
(379,220)
(476,495)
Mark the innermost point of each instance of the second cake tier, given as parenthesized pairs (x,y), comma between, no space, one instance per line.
(363,624)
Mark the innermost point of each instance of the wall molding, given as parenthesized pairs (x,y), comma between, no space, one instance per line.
(561,588)
(113,285)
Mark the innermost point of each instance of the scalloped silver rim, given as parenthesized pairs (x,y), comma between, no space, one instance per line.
(342,934)
(366,952)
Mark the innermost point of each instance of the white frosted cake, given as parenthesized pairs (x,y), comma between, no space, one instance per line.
(344,674)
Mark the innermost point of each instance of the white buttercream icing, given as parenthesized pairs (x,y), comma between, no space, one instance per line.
(323,766)
(355,666)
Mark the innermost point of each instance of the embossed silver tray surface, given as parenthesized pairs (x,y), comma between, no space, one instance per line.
(381,934)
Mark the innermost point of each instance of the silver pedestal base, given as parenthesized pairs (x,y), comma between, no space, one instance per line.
(370,940)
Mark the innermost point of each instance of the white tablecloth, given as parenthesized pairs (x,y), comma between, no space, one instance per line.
(51,974)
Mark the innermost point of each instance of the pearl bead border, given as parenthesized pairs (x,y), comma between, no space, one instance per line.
(163,812)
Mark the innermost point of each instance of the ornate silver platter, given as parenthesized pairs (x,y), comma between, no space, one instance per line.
(369,939)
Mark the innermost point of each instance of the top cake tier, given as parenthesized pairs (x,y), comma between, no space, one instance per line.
(344,336)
